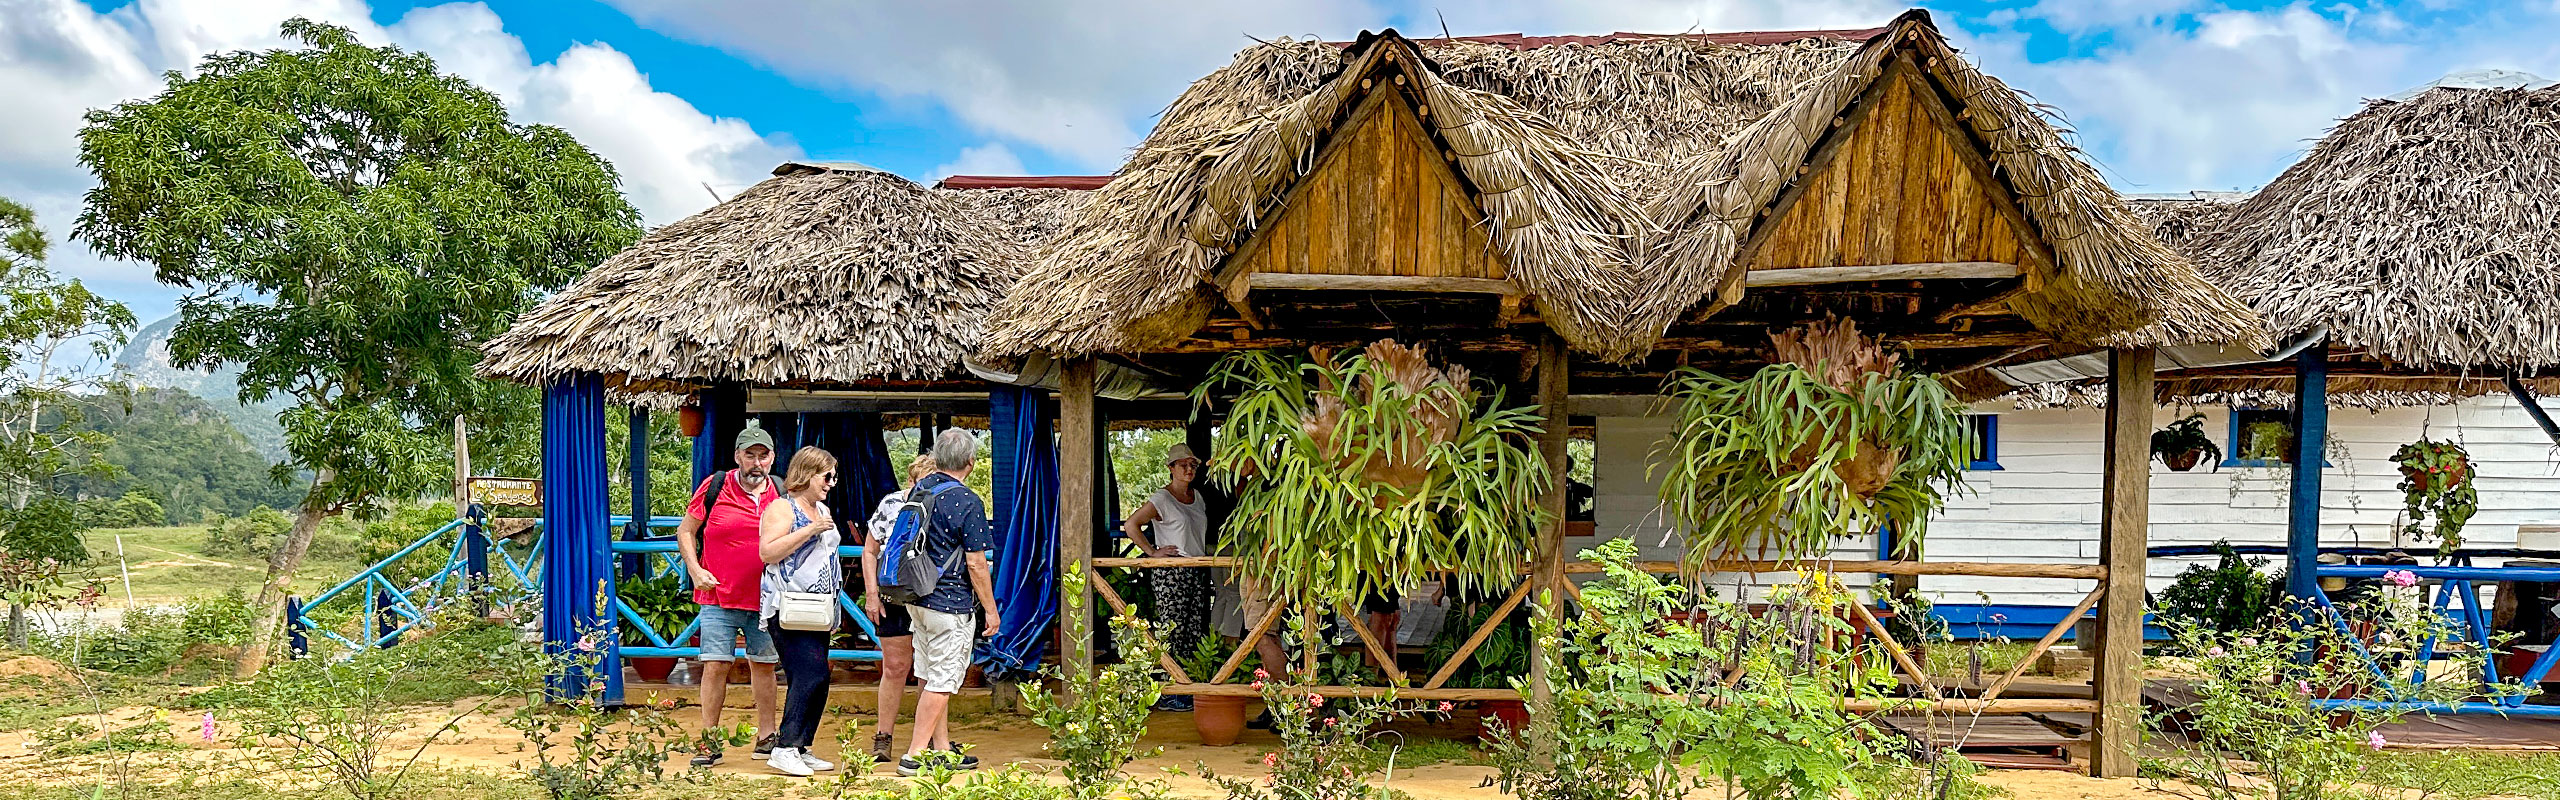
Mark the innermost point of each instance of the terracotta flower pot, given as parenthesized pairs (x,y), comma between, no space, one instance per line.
(1219,718)
(652,670)
(1496,719)
(689,420)
(2182,460)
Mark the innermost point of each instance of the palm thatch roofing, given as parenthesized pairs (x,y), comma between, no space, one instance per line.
(1618,176)
(2424,232)
(826,273)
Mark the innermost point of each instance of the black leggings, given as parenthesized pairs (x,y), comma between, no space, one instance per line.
(804,661)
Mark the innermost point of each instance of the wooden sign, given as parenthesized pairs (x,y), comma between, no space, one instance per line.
(507,491)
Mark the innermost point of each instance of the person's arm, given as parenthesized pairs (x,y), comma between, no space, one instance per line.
(1135,528)
(982,580)
(871,569)
(777,537)
(689,547)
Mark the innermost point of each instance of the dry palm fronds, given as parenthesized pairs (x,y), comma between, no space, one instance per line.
(2420,231)
(826,274)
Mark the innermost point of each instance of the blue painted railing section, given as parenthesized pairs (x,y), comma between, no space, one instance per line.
(515,578)
(2455,594)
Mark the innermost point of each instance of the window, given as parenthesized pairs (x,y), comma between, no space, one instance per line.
(2260,437)
(1986,441)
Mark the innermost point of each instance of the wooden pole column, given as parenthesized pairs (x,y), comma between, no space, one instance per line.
(1547,559)
(2310,443)
(1079,444)
(2124,553)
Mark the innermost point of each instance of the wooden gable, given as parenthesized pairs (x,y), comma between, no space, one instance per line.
(1901,185)
(1382,202)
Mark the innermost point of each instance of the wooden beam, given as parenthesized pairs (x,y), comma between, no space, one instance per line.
(1382,283)
(1942,341)
(1938,270)
(1172,669)
(2004,198)
(1468,650)
(2125,538)
(1079,449)
(1824,152)
(1547,557)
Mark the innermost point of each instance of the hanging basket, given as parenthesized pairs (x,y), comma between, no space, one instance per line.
(689,420)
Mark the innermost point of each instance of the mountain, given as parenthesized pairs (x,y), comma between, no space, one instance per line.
(146,360)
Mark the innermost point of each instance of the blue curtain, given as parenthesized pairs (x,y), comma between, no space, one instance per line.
(578,568)
(863,472)
(1026,526)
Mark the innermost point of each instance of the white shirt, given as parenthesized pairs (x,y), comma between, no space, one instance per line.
(1182,526)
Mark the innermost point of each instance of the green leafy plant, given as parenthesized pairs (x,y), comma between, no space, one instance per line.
(1834,439)
(665,602)
(1641,708)
(1357,474)
(1323,755)
(1207,656)
(2232,596)
(2256,695)
(342,717)
(2435,480)
(611,751)
(1501,658)
(2185,436)
(1095,720)
(2266,441)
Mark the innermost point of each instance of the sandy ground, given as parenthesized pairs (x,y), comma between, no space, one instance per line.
(482,743)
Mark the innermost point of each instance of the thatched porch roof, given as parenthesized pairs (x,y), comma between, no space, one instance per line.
(2422,232)
(826,273)
(1618,177)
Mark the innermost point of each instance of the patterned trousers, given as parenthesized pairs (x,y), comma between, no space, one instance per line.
(1182,606)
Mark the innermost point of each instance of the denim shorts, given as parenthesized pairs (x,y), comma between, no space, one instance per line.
(725,629)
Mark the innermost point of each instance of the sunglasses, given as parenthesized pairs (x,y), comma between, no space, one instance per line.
(829,477)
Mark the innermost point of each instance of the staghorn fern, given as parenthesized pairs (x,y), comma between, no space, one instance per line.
(1833,440)
(1370,472)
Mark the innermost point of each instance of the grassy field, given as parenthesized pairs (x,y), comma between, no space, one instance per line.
(169,564)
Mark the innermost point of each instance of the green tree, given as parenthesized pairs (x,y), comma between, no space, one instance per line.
(350,223)
(57,343)
(48,527)
(180,450)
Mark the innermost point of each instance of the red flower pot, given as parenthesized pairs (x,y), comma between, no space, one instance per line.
(1219,718)
(1496,719)
(689,420)
(652,670)
(2182,460)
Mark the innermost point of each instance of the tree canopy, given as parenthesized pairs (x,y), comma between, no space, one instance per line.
(57,341)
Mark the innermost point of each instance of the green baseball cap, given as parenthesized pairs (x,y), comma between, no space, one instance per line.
(752,436)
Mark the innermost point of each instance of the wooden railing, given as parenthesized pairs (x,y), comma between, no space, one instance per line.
(1931,700)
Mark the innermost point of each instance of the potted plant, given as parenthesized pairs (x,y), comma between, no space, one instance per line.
(1501,658)
(2184,443)
(2435,480)
(1832,439)
(666,603)
(1219,718)
(1354,474)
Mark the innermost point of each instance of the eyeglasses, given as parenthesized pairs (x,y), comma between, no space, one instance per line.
(828,477)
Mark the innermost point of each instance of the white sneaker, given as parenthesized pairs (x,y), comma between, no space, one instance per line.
(810,760)
(786,760)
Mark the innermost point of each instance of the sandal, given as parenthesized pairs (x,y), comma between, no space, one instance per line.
(880,748)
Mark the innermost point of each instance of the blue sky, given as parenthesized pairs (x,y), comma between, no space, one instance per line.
(2166,95)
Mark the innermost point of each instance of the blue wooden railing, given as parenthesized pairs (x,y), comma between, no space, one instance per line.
(679,645)
(2456,591)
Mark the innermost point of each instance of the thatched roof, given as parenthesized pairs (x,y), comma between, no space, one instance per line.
(2425,232)
(1618,176)
(824,273)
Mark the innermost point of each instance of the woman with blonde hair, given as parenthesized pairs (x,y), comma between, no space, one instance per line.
(798,543)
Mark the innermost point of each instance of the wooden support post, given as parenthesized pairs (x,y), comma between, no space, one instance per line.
(2310,442)
(2126,535)
(1547,559)
(1079,444)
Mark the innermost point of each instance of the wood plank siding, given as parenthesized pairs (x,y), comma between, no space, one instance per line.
(1381,200)
(1899,192)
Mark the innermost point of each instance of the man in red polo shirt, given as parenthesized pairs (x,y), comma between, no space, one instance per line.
(718,540)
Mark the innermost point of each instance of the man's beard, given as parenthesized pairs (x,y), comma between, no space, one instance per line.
(753,473)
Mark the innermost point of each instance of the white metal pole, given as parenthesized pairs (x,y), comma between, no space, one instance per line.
(126,571)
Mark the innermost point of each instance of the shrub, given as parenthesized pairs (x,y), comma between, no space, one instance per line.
(102,512)
(2230,597)
(252,534)
(140,509)
(2257,692)
(1095,725)
(610,752)
(1323,751)
(48,527)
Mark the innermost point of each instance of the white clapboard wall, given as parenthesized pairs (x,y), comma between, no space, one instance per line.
(2042,506)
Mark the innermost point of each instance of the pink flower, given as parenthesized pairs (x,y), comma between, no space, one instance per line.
(1271,759)
(1315,700)
(208,728)
(1445,706)
(1261,675)
(2401,578)
(2302,687)
(2213,652)
(2248,641)
(1331,721)
(2374,740)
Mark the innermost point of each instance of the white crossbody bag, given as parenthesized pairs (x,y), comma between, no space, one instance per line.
(807,611)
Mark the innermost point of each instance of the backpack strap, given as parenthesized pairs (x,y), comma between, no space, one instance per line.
(710,495)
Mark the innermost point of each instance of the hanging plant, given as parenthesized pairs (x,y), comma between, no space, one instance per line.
(1834,439)
(1366,473)
(2435,480)
(2183,443)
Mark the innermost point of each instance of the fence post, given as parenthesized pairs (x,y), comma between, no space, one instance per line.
(296,636)
(475,559)
(385,619)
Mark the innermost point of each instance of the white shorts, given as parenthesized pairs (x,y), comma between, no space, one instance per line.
(943,645)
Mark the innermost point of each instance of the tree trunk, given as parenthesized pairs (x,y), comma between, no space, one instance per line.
(281,565)
(18,627)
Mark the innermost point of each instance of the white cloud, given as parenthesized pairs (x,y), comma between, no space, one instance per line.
(992,158)
(59,59)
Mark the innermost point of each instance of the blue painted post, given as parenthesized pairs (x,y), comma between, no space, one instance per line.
(475,559)
(2310,440)
(386,619)
(636,462)
(577,577)
(297,639)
